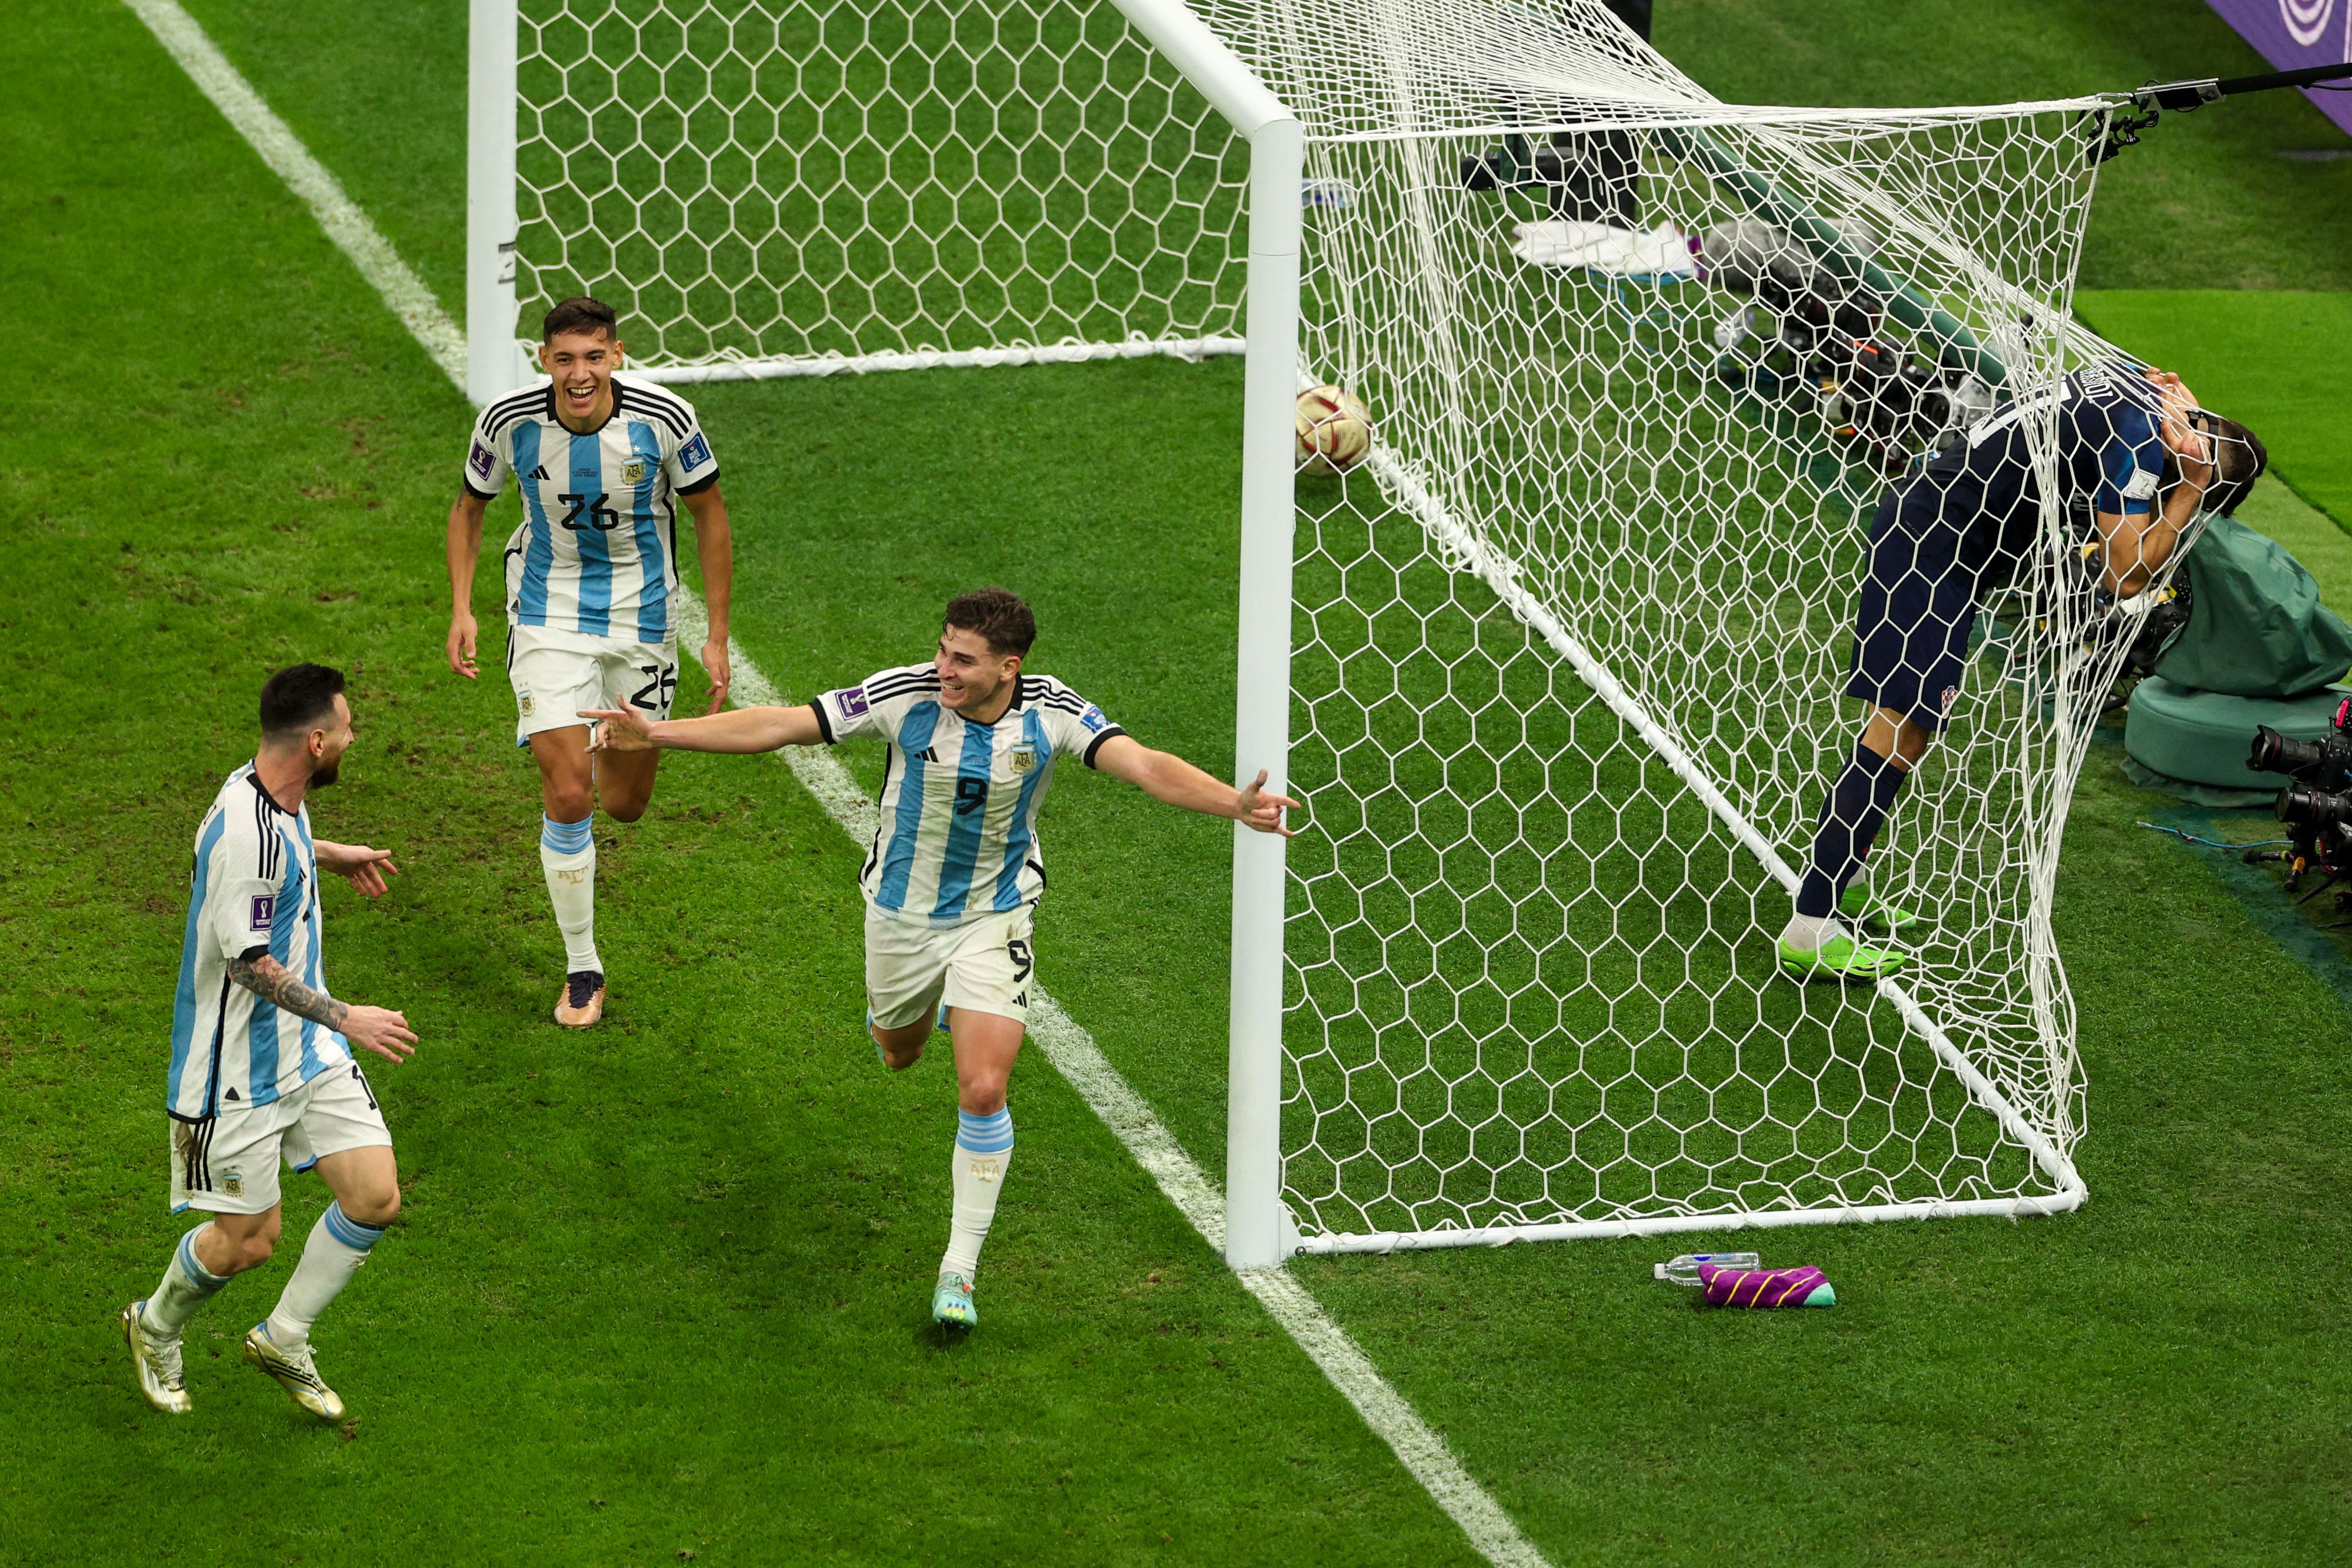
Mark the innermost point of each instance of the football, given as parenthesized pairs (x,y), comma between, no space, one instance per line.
(1335,430)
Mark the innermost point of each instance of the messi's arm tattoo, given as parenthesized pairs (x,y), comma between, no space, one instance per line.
(267,978)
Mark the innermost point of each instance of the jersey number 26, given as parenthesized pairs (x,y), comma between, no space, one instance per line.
(606,518)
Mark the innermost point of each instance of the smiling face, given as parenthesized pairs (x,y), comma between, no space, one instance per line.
(581,363)
(974,681)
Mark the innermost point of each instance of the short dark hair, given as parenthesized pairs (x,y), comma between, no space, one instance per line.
(294,700)
(2239,459)
(580,314)
(1000,617)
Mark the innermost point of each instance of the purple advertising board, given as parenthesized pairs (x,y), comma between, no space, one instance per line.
(2294,32)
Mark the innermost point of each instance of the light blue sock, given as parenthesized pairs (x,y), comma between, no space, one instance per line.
(983,1148)
(567,854)
(186,1285)
(337,1245)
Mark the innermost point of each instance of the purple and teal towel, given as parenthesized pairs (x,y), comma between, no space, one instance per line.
(1806,1286)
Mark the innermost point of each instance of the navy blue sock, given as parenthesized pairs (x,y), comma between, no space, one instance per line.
(1850,817)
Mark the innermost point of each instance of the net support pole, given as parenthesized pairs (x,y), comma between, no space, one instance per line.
(493,366)
(1262,701)
(1262,697)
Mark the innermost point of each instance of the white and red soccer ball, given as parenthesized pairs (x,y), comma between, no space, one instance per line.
(1335,430)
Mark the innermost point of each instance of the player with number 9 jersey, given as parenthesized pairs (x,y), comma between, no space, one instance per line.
(603,460)
(955,873)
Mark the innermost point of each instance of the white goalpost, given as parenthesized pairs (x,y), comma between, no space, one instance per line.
(1557,667)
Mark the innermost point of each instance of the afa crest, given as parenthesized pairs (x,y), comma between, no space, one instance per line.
(1024,758)
(633,472)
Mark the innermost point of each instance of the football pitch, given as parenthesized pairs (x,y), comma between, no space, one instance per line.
(655,1293)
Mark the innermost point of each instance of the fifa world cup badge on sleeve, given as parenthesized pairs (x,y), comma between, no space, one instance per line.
(481,460)
(1093,720)
(852,702)
(695,453)
(265,911)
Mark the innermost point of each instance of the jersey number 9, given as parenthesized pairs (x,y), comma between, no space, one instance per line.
(972,794)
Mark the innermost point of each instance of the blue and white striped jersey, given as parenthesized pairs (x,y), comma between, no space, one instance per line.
(597,548)
(257,891)
(958,837)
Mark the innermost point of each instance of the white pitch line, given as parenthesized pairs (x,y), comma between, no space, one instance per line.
(1066,1044)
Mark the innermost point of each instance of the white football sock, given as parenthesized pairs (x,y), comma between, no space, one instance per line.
(567,852)
(187,1285)
(1806,933)
(984,1147)
(338,1246)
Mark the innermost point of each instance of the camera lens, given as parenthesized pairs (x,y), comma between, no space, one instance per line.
(2313,807)
(2275,753)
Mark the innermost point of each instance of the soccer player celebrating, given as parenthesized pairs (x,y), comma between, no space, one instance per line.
(2137,454)
(261,1064)
(604,458)
(952,882)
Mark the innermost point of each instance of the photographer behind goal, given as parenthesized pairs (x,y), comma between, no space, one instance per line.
(2135,450)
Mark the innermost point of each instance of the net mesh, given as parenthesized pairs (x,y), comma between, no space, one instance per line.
(1570,644)
(761,181)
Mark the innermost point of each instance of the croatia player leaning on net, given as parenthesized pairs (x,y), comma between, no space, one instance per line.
(261,1065)
(2137,454)
(956,870)
(602,459)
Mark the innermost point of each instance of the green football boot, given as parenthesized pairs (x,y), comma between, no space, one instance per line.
(1842,958)
(951,1303)
(1874,914)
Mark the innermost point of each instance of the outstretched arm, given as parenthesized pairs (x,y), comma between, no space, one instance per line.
(379,1029)
(737,731)
(1163,775)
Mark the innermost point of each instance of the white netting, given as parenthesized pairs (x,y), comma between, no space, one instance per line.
(1570,645)
(810,180)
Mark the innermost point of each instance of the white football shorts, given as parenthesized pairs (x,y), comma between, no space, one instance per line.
(983,964)
(228,1164)
(556,674)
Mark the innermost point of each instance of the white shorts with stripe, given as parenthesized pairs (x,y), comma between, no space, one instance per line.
(983,964)
(227,1164)
(556,674)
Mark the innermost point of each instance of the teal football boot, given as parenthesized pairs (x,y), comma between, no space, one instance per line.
(951,1305)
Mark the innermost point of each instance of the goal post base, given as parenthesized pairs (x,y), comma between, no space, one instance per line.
(2065,1201)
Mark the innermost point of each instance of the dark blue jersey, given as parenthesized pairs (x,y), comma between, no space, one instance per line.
(2110,460)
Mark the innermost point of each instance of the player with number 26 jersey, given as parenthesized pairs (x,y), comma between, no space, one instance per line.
(602,461)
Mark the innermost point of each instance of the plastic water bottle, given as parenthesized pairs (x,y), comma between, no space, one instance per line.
(1684,1271)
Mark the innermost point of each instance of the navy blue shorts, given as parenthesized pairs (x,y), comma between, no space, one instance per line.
(1929,550)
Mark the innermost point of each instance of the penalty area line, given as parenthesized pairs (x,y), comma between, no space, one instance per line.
(1065,1043)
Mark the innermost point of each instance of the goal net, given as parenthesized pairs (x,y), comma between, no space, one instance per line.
(1567,648)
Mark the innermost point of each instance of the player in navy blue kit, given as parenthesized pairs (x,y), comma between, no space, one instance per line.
(2136,454)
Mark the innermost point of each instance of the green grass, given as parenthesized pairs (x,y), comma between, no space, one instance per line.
(2273,360)
(662,1288)
(677,1305)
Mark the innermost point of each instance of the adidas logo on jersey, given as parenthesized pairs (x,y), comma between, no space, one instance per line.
(540,472)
